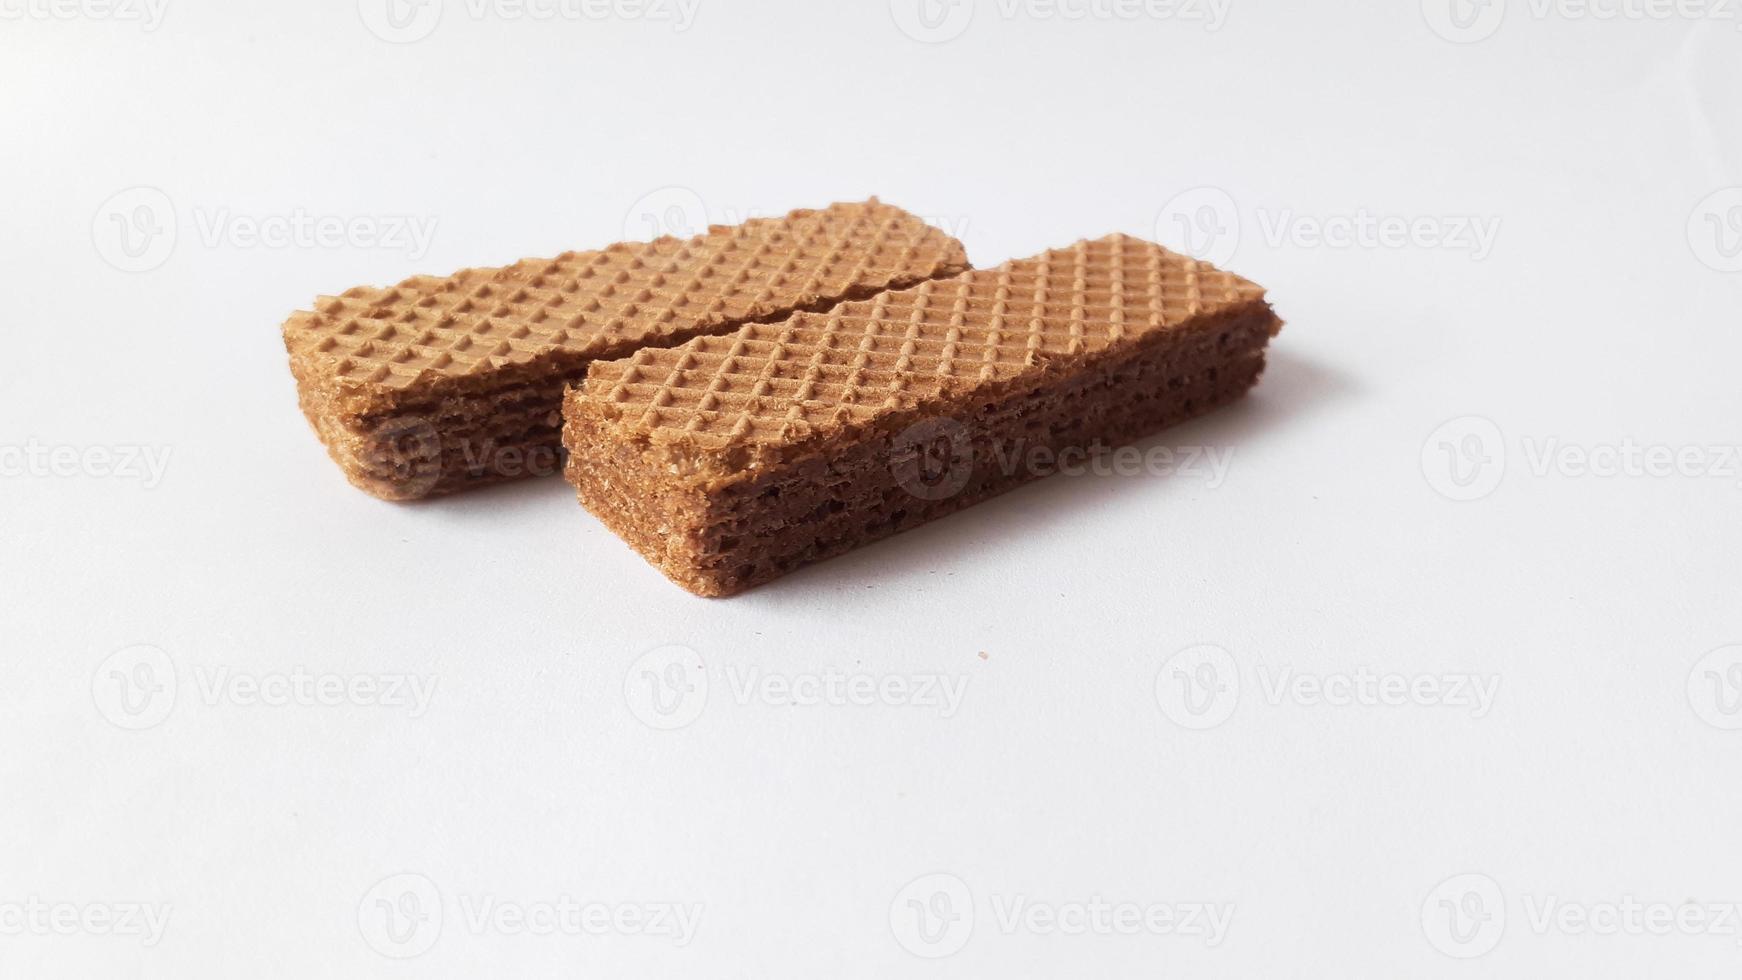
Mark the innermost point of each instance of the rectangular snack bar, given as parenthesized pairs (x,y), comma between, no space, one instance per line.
(731,460)
(444,384)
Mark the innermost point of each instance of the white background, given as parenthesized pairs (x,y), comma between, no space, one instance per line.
(1602,313)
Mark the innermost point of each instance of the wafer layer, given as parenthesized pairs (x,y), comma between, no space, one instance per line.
(437,353)
(1106,339)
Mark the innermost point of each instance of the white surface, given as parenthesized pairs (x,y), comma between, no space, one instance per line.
(1601,313)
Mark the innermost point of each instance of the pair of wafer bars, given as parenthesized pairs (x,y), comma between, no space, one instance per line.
(730,460)
(443,384)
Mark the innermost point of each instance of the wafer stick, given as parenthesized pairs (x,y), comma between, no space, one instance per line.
(444,384)
(731,460)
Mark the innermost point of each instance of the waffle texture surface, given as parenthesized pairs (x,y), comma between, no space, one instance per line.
(773,384)
(378,345)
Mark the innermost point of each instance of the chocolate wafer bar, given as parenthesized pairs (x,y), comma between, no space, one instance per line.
(444,384)
(731,460)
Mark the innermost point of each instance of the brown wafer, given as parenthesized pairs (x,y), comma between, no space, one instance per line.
(731,460)
(443,384)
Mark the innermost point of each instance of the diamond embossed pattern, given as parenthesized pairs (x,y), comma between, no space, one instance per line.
(771,383)
(430,328)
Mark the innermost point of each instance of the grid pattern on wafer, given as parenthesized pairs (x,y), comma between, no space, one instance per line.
(769,383)
(478,320)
